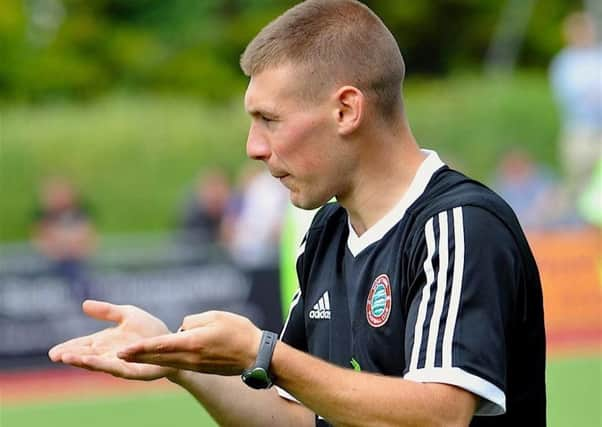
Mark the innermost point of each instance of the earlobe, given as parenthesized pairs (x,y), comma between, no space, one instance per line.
(350,102)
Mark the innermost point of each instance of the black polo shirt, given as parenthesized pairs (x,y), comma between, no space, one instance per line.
(443,289)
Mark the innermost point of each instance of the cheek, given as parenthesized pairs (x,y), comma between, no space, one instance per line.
(303,144)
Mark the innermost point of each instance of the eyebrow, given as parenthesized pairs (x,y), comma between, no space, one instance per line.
(258,111)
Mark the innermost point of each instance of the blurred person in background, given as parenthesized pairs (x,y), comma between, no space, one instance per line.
(203,213)
(233,209)
(576,78)
(63,232)
(255,219)
(533,191)
(254,233)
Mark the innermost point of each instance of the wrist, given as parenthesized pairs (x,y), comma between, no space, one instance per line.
(253,348)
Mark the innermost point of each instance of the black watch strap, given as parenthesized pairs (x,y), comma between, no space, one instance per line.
(266,350)
(258,376)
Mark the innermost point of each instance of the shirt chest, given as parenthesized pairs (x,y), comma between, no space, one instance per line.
(355,310)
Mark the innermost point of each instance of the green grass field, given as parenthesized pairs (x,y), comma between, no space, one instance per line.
(574,396)
(138,410)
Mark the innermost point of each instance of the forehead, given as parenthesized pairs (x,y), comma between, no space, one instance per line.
(272,88)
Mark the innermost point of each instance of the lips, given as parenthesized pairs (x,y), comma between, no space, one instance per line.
(284,179)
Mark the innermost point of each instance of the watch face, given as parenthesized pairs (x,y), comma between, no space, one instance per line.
(257,378)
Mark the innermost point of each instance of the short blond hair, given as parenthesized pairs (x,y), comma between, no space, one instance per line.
(334,42)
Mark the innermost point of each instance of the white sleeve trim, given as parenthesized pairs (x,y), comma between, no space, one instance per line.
(493,399)
(285,394)
(294,303)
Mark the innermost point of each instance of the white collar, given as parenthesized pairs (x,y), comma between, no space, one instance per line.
(427,168)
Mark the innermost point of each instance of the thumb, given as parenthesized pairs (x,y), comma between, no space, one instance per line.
(102,310)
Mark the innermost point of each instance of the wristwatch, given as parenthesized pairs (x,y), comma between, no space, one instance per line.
(258,376)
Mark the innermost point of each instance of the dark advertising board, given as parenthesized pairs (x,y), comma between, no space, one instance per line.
(39,308)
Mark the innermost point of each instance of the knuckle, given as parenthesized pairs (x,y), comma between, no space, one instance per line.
(163,347)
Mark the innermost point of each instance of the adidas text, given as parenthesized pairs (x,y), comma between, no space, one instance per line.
(319,314)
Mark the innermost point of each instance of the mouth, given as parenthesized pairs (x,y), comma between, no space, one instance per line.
(284,180)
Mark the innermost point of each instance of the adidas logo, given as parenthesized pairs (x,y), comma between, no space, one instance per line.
(321,309)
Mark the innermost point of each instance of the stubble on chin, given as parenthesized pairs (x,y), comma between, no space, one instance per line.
(306,203)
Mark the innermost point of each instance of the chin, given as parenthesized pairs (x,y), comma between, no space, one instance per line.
(307,203)
(306,206)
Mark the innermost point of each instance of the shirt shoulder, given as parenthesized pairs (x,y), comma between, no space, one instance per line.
(449,189)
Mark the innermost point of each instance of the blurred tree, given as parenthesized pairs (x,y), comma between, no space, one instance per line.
(82,48)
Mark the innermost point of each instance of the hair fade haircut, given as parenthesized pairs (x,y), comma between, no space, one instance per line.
(338,42)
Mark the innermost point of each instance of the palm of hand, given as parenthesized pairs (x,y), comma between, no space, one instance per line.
(105,345)
(98,351)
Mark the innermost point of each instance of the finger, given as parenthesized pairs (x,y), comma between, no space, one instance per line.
(56,356)
(96,363)
(102,310)
(75,360)
(111,365)
(178,360)
(116,367)
(184,361)
(55,352)
(87,351)
(160,344)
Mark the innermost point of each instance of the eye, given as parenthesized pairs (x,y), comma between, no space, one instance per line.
(266,119)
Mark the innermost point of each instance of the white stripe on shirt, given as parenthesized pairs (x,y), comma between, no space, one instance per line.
(426,293)
(440,292)
(454,303)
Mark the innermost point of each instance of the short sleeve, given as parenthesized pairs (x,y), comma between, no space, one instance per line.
(466,275)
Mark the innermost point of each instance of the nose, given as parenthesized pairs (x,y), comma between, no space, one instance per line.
(258,147)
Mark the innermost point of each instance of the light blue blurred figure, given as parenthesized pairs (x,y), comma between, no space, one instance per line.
(576,78)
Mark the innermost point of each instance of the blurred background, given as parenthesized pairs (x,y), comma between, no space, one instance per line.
(123,177)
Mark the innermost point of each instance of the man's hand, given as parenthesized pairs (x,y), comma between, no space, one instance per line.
(213,342)
(98,352)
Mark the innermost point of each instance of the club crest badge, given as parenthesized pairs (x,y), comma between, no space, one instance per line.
(378,305)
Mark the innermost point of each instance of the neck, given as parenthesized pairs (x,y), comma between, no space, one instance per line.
(388,162)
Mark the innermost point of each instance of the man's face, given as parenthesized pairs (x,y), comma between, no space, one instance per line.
(296,138)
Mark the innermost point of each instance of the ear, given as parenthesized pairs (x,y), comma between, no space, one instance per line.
(349,111)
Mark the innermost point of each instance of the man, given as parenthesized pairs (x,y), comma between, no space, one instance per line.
(65,234)
(418,278)
(577,86)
